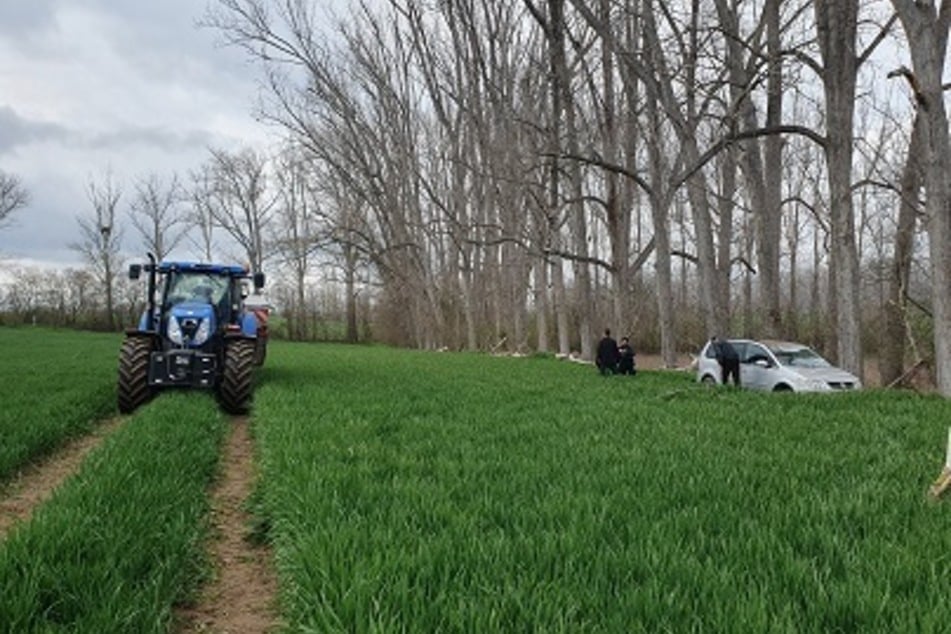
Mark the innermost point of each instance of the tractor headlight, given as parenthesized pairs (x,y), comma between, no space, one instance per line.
(174,330)
(203,332)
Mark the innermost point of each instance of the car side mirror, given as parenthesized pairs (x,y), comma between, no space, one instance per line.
(763,363)
(135,270)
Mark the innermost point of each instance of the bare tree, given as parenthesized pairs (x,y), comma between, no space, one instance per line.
(240,201)
(836,25)
(926,28)
(200,216)
(760,158)
(156,215)
(100,238)
(295,231)
(892,356)
(13,196)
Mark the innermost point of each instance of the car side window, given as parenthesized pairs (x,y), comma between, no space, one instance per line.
(711,352)
(740,348)
(755,353)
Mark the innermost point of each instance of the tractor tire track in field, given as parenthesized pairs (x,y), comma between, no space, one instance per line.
(36,482)
(242,595)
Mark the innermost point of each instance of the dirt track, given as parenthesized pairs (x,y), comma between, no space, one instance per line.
(36,483)
(241,598)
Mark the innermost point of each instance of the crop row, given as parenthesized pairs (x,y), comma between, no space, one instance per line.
(120,542)
(423,492)
(56,384)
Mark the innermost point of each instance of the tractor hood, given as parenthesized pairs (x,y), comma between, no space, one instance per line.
(191,324)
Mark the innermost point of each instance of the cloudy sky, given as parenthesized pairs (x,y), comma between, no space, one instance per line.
(91,87)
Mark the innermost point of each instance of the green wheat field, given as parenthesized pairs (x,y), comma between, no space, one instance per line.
(438,492)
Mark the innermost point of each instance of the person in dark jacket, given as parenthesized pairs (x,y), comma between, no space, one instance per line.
(626,363)
(607,354)
(728,359)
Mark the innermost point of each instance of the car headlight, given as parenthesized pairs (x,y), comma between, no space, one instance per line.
(203,332)
(174,330)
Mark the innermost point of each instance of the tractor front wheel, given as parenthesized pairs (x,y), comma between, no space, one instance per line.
(236,389)
(133,387)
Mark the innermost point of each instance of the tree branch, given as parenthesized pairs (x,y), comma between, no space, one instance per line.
(879,38)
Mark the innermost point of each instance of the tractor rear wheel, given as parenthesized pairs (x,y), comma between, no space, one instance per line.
(260,351)
(236,389)
(133,387)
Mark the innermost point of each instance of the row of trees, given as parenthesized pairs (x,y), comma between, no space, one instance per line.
(495,160)
(238,206)
(525,172)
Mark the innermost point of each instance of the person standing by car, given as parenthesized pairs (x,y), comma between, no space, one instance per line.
(607,354)
(626,363)
(728,359)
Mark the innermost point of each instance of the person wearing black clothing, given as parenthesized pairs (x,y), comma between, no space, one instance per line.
(607,354)
(728,359)
(626,352)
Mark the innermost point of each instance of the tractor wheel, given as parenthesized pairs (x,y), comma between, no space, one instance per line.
(260,351)
(133,387)
(235,389)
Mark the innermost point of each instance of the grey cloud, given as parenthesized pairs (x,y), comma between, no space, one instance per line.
(16,130)
(165,40)
(156,137)
(20,18)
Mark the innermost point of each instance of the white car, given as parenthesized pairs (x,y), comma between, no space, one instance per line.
(778,366)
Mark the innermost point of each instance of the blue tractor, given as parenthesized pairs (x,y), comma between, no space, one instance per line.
(196,332)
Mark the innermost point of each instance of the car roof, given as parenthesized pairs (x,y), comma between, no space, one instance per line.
(773,344)
(777,344)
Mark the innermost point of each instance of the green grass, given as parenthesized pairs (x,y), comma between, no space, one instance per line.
(421,492)
(461,493)
(122,541)
(56,384)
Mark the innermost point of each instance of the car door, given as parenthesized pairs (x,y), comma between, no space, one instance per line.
(753,373)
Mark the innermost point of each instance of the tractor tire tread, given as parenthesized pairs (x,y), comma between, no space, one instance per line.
(133,388)
(237,386)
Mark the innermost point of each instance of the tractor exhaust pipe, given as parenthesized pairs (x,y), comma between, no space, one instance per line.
(150,318)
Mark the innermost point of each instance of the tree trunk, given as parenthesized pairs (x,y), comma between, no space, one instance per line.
(892,356)
(836,24)
(728,167)
(541,304)
(770,231)
(927,34)
(350,273)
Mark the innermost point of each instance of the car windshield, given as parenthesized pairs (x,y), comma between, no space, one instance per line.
(196,287)
(801,357)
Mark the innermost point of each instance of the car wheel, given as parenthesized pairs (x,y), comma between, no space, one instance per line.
(708,380)
(782,387)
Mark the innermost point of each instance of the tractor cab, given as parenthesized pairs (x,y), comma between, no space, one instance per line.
(197,304)
(194,307)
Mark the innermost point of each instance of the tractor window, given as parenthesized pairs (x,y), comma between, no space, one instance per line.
(196,287)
